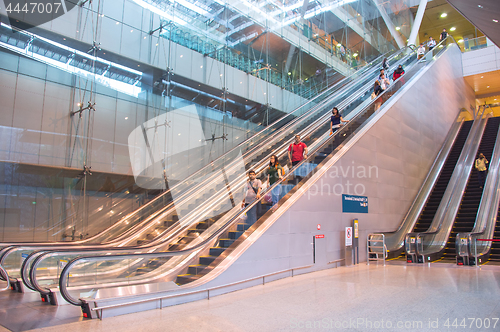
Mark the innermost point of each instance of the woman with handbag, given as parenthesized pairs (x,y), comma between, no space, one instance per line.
(274,173)
(336,121)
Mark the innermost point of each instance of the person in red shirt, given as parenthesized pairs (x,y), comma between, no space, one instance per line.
(297,151)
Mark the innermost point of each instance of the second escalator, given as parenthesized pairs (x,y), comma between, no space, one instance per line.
(466,216)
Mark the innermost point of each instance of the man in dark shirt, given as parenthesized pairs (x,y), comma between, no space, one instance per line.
(444,34)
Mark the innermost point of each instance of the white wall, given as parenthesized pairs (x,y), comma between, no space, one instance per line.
(481,61)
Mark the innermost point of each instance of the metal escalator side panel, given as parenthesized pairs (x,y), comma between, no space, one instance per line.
(395,240)
(434,240)
(486,218)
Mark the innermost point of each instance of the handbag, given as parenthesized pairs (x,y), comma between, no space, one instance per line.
(267,198)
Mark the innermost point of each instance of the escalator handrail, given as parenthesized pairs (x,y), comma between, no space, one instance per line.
(490,201)
(458,178)
(65,273)
(93,249)
(4,275)
(37,258)
(425,190)
(365,69)
(149,245)
(98,249)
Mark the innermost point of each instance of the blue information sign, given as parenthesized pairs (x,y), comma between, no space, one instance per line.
(354,204)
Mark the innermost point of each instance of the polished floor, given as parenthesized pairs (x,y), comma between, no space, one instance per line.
(395,297)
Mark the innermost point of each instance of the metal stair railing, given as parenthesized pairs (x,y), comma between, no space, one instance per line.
(374,249)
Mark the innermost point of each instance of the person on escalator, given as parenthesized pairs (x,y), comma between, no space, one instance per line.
(274,173)
(420,51)
(336,121)
(480,165)
(398,73)
(444,35)
(382,73)
(431,43)
(384,82)
(297,151)
(385,64)
(377,90)
(250,194)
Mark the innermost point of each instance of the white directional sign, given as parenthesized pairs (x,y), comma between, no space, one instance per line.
(348,236)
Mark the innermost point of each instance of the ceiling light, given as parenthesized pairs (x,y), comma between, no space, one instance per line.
(488,87)
(461,41)
(444,15)
(355,55)
(398,28)
(126,118)
(496,21)
(453,29)
(482,76)
(480,6)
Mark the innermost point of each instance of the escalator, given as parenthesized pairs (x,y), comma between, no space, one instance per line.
(227,233)
(466,216)
(434,199)
(494,258)
(207,263)
(139,223)
(171,232)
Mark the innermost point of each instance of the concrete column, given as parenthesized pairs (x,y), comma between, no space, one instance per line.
(417,22)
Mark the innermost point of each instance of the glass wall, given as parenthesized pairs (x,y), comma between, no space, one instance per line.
(175,84)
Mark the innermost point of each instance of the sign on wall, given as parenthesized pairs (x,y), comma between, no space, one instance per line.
(354,204)
(348,236)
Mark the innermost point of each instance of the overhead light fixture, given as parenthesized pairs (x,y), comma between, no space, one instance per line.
(461,41)
(480,6)
(160,12)
(496,21)
(398,28)
(482,76)
(355,55)
(130,89)
(444,15)
(488,87)
(453,29)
